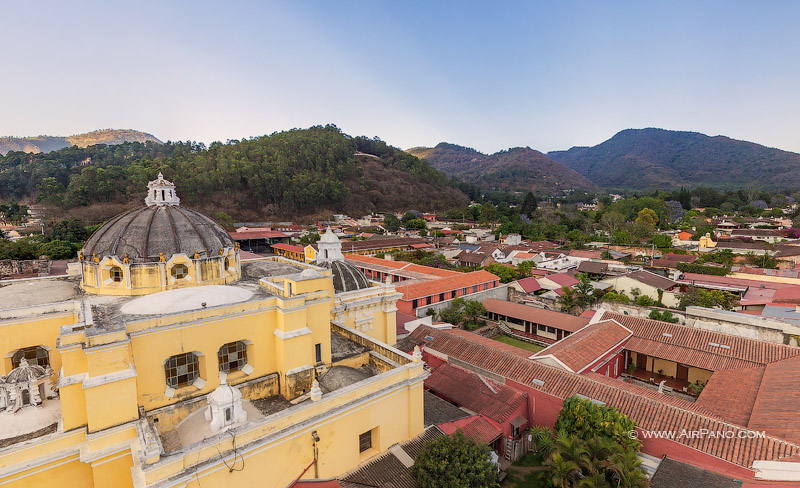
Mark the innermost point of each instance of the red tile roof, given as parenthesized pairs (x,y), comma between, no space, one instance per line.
(790,294)
(442,285)
(698,347)
(401,265)
(529,285)
(562,279)
(650,410)
(731,393)
(776,407)
(561,321)
(420,246)
(289,247)
(476,427)
(494,400)
(586,254)
(581,349)
(257,234)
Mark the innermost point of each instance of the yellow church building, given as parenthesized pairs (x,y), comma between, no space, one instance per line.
(173,364)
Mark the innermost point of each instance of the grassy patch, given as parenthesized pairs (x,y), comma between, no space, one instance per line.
(518,343)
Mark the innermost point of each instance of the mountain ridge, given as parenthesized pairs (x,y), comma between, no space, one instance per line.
(513,169)
(44,143)
(650,158)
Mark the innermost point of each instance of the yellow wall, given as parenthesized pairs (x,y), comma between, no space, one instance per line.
(108,375)
(43,330)
(697,374)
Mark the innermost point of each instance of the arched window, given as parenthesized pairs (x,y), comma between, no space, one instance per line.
(232,356)
(182,369)
(116,274)
(179,271)
(34,355)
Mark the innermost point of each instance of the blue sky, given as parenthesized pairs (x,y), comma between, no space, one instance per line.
(490,75)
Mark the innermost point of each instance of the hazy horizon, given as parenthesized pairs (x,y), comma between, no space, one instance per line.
(548,76)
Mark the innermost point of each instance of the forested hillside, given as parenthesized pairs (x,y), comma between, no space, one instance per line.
(645,159)
(53,143)
(516,169)
(292,173)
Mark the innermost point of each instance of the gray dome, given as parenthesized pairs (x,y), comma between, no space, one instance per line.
(25,372)
(346,276)
(145,232)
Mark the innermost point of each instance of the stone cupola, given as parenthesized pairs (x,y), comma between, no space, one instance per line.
(161,192)
(225,407)
(329,248)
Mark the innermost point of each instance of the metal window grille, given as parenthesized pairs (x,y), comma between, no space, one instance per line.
(116,274)
(179,271)
(33,355)
(365,441)
(232,356)
(182,369)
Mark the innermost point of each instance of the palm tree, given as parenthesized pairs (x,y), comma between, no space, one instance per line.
(597,479)
(562,472)
(624,466)
(599,450)
(543,441)
(572,449)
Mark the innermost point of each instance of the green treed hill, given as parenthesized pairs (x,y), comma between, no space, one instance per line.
(41,144)
(647,159)
(515,169)
(287,174)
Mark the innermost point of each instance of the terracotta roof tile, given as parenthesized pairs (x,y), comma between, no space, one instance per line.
(579,350)
(441,285)
(489,342)
(699,347)
(731,393)
(476,427)
(535,315)
(288,247)
(649,409)
(475,393)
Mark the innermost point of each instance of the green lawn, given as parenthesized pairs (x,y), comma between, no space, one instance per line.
(518,343)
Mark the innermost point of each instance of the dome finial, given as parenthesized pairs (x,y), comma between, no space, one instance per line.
(161,192)
(330,248)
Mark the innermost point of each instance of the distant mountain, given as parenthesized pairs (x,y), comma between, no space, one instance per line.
(643,159)
(516,169)
(45,144)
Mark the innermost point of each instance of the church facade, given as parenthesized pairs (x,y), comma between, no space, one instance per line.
(172,363)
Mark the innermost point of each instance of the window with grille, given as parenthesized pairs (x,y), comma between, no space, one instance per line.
(365,441)
(179,271)
(33,355)
(182,369)
(116,274)
(232,356)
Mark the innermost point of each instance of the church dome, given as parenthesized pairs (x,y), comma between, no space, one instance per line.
(161,227)
(346,276)
(25,373)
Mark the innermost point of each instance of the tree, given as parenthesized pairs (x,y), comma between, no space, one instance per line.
(584,419)
(391,223)
(58,250)
(665,316)
(661,241)
(454,461)
(468,313)
(647,216)
(70,230)
(765,260)
(309,238)
(529,205)
(567,300)
(611,222)
(707,298)
(584,291)
(416,224)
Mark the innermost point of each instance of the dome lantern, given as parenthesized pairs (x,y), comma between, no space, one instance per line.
(161,192)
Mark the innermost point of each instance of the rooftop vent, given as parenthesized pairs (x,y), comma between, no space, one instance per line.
(428,338)
(538,382)
(667,334)
(724,346)
(713,344)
